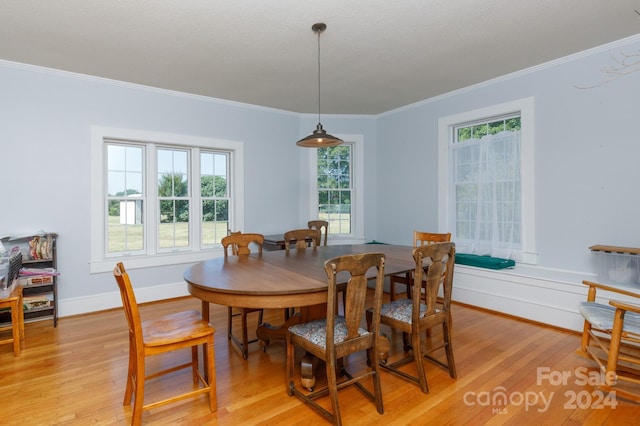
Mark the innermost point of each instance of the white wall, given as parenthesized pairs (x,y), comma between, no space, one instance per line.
(586,159)
(45,132)
(587,150)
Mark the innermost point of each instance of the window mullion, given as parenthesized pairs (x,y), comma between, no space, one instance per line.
(195,203)
(152,217)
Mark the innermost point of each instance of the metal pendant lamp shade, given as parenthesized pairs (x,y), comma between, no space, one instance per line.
(319,138)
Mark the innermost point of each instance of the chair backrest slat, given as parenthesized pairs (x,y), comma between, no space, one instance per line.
(437,260)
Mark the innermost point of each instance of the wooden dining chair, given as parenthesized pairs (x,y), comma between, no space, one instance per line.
(415,315)
(611,338)
(169,333)
(301,239)
(323,227)
(240,245)
(335,337)
(419,239)
(14,302)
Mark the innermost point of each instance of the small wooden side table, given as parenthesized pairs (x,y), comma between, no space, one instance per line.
(14,302)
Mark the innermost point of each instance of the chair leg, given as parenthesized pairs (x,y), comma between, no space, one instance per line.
(392,286)
(15,328)
(417,356)
(211,375)
(332,384)
(138,399)
(245,337)
(406,341)
(377,386)
(446,329)
(614,348)
(290,363)
(586,336)
(392,289)
(370,356)
(131,371)
(229,322)
(381,349)
(194,364)
(243,341)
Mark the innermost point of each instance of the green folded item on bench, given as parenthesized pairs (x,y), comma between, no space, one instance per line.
(484,261)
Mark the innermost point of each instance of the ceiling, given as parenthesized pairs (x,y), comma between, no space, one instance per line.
(376,55)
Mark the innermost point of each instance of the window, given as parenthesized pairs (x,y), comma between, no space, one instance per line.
(335,175)
(334,188)
(160,194)
(486,187)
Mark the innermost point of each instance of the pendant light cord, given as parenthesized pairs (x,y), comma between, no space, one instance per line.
(319,76)
(319,138)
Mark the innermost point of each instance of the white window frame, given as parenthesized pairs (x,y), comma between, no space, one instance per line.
(523,106)
(99,261)
(357,199)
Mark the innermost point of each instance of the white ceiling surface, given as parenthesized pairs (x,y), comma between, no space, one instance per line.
(376,55)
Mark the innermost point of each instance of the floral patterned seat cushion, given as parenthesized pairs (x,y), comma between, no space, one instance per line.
(316,331)
(401,310)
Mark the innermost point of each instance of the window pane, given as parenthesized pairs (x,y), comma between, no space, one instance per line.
(125,232)
(116,157)
(214,192)
(173,173)
(116,183)
(173,229)
(134,159)
(125,198)
(166,211)
(124,170)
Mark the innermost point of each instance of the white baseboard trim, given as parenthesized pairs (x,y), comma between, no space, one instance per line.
(545,296)
(536,294)
(104,301)
(546,300)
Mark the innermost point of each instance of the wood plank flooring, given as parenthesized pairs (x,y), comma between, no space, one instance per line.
(75,375)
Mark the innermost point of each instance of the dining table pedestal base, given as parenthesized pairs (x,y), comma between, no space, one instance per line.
(267,332)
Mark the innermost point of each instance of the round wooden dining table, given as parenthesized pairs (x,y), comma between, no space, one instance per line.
(279,279)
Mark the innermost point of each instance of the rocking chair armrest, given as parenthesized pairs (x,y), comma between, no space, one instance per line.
(593,285)
(625,306)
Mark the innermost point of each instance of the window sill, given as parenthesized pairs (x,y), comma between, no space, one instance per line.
(165,259)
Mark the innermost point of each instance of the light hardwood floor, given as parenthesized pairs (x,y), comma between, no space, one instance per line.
(75,374)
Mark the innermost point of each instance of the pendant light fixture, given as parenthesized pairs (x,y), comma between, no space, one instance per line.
(319,138)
